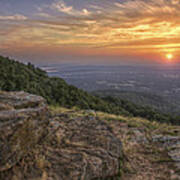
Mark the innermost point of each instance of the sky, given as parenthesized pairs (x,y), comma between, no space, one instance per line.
(129,31)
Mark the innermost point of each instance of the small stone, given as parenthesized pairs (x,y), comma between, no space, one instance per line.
(139,137)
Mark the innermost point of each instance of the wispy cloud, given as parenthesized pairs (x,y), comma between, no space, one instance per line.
(134,25)
(62,7)
(42,14)
(150,7)
(14,17)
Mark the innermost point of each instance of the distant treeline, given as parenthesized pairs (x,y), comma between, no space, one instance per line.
(156,101)
(143,111)
(16,76)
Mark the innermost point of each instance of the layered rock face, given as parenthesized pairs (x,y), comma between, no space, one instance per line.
(82,148)
(35,145)
(23,120)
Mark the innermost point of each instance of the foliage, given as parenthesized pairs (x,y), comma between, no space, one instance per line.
(143,111)
(15,76)
(156,101)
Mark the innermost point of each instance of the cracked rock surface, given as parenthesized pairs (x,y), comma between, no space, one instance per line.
(23,120)
(36,145)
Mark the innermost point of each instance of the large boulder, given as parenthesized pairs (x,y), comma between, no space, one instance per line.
(23,122)
(71,148)
(82,148)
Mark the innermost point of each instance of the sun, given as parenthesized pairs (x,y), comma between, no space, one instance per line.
(169,56)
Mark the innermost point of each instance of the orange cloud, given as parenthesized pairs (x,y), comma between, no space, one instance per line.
(136,27)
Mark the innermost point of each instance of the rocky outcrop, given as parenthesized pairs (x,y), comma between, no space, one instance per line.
(85,149)
(23,120)
(34,145)
(172,144)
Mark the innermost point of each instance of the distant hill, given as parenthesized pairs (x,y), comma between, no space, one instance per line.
(16,76)
(155,101)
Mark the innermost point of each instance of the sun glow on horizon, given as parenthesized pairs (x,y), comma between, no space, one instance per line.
(169,56)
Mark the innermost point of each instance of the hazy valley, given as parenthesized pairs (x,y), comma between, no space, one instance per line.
(155,85)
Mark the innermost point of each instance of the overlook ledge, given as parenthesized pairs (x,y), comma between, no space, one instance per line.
(34,144)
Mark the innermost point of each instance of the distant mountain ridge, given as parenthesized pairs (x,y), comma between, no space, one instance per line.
(16,76)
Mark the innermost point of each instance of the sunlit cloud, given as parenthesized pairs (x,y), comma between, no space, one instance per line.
(13,17)
(141,26)
(62,7)
(45,15)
